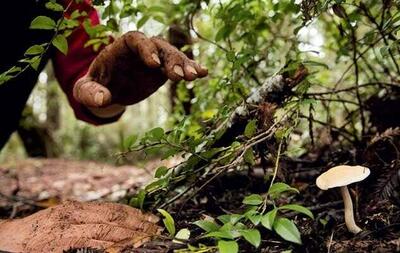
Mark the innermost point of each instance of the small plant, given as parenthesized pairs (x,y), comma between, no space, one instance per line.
(181,236)
(244,226)
(260,211)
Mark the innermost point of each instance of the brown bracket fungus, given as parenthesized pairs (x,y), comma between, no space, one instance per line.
(341,176)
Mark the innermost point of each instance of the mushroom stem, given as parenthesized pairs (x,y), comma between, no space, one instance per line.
(348,211)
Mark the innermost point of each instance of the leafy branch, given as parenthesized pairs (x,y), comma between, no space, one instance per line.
(62,29)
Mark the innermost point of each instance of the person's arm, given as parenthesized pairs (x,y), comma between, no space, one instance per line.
(69,68)
(123,73)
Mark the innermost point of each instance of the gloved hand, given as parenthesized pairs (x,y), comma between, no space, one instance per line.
(78,225)
(131,69)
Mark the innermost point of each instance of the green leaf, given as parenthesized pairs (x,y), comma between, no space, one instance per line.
(169,222)
(157,133)
(75,14)
(34,62)
(54,6)
(129,141)
(43,22)
(206,225)
(161,171)
(252,236)
(159,19)
(315,64)
(14,69)
(283,133)
(255,219)
(156,8)
(225,234)
(223,33)
(230,56)
(156,185)
(323,221)
(278,188)
(238,226)
(170,151)
(249,157)
(113,24)
(34,50)
(251,128)
(142,21)
(384,51)
(60,42)
(141,196)
(138,200)
(298,208)
(287,230)
(269,218)
(182,235)
(69,23)
(7,75)
(230,218)
(228,247)
(253,199)
(225,218)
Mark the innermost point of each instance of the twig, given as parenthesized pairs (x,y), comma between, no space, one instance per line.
(393,85)
(16,198)
(326,205)
(382,33)
(343,132)
(278,155)
(330,242)
(356,72)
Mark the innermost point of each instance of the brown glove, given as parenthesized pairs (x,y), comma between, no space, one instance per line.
(131,69)
(78,225)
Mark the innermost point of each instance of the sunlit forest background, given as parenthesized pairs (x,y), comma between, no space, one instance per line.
(48,108)
(242,44)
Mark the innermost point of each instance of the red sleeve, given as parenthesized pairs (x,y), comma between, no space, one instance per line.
(69,68)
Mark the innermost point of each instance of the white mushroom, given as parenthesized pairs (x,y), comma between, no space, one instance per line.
(341,176)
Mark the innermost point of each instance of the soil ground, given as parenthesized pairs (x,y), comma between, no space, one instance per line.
(30,185)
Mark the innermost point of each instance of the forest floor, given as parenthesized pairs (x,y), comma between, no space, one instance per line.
(38,183)
(33,184)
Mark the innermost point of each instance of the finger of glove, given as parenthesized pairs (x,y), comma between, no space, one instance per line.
(190,71)
(92,94)
(173,68)
(171,55)
(143,46)
(201,71)
(173,60)
(110,213)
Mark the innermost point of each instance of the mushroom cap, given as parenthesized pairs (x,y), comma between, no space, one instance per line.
(342,175)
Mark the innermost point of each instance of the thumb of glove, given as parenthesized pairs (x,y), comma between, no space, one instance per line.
(91,93)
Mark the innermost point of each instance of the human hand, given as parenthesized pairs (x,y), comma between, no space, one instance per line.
(131,69)
(78,225)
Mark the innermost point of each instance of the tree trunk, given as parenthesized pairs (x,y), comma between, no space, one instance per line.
(36,138)
(180,38)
